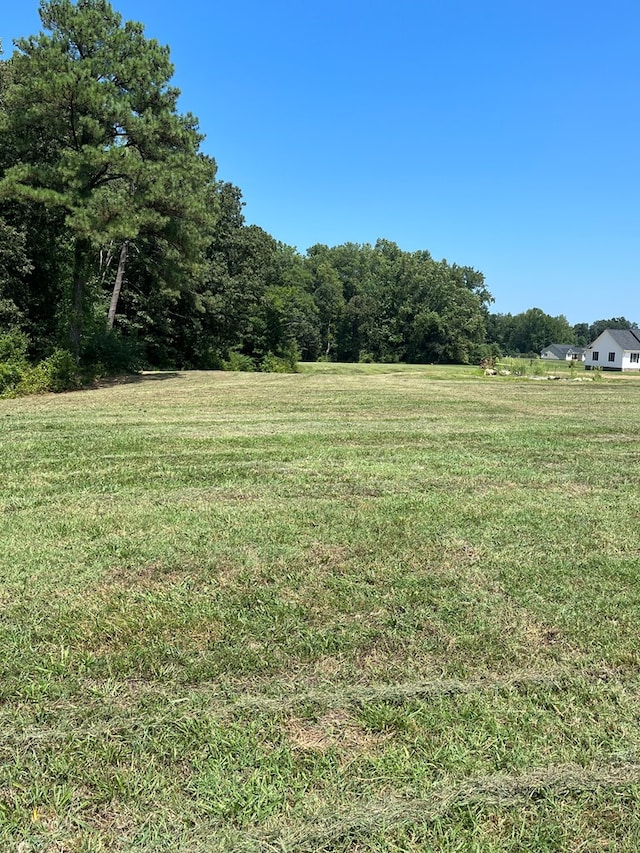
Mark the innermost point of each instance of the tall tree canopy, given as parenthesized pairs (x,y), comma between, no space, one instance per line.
(384,304)
(91,128)
(103,183)
(598,326)
(529,332)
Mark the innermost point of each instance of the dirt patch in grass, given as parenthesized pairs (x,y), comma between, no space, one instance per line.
(335,730)
(157,576)
(329,558)
(147,577)
(541,635)
(461,553)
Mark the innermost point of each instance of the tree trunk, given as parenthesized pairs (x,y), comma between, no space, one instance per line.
(122,263)
(329,341)
(79,268)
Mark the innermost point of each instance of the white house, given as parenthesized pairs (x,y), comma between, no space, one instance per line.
(614,349)
(562,352)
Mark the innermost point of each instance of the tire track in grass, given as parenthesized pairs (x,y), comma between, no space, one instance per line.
(358,695)
(497,791)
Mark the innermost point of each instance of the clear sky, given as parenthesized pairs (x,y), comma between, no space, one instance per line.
(498,134)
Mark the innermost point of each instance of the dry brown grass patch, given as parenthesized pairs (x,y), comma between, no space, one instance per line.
(335,730)
(329,558)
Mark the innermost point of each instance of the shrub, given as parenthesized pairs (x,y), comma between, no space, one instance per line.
(56,373)
(18,377)
(13,347)
(10,375)
(286,362)
(515,366)
(60,371)
(487,353)
(488,363)
(33,380)
(239,362)
(274,364)
(13,360)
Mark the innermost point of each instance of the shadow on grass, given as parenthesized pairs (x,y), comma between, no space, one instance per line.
(132,378)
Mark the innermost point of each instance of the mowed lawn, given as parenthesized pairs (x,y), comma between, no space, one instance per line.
(358,608)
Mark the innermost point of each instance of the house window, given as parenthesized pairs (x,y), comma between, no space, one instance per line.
(612,356)
(595,355)
(635,358)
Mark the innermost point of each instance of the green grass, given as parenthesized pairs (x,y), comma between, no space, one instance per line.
(359,608)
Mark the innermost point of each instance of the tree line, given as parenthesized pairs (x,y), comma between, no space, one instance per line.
(533,330)
(120,247)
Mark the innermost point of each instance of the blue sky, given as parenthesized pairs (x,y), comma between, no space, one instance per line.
(499,134)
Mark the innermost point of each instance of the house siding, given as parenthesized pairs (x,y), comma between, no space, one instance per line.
(627,364)
(604,345)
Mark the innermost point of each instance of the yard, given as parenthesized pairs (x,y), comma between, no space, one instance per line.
(359,608)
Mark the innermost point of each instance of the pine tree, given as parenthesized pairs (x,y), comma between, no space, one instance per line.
(94,130)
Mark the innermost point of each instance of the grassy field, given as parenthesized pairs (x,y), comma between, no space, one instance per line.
(360,608)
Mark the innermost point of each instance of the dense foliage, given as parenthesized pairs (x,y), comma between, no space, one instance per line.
(529,332)
(119,245)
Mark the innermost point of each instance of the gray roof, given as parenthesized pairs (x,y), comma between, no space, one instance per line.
(561,350)
(625,338)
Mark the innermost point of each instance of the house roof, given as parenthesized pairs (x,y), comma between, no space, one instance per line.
(625,338)
(561,350)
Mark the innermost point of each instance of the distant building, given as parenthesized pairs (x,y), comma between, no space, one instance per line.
(614,349)
(562,352)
